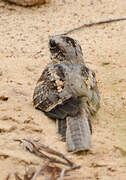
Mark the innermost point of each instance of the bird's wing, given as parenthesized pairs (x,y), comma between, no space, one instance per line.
(94,97)
(50,89)
(82,82)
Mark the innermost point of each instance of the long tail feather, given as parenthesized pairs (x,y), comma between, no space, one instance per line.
(78,134)
(61,123)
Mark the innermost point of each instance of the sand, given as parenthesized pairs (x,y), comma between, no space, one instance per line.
(24,34)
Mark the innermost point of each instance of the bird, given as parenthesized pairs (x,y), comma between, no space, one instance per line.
(67,91)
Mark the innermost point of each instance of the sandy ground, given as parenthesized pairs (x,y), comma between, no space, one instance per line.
(24,53)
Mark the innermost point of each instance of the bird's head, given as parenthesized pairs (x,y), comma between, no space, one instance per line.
(64,48)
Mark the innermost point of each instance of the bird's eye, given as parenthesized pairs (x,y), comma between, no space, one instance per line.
(52,43)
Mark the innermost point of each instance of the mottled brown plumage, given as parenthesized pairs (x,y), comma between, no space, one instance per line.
(67,91)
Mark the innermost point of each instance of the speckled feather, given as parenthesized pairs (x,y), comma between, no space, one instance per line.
(49,89)
(60,82)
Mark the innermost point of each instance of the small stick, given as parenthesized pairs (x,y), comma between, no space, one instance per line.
(53,175)
(37,173)
(93,24)
(34,147)
(8,176)
(62,173)
(52,151)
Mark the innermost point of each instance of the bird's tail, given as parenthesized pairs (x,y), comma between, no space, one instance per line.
(78,134)
(62,126)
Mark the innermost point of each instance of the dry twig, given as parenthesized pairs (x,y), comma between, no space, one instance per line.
(62,174)
(35,147)
(38,149)
(37,173)
(29,174)
(93,24)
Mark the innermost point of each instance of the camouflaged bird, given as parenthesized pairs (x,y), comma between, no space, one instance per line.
(67,91)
